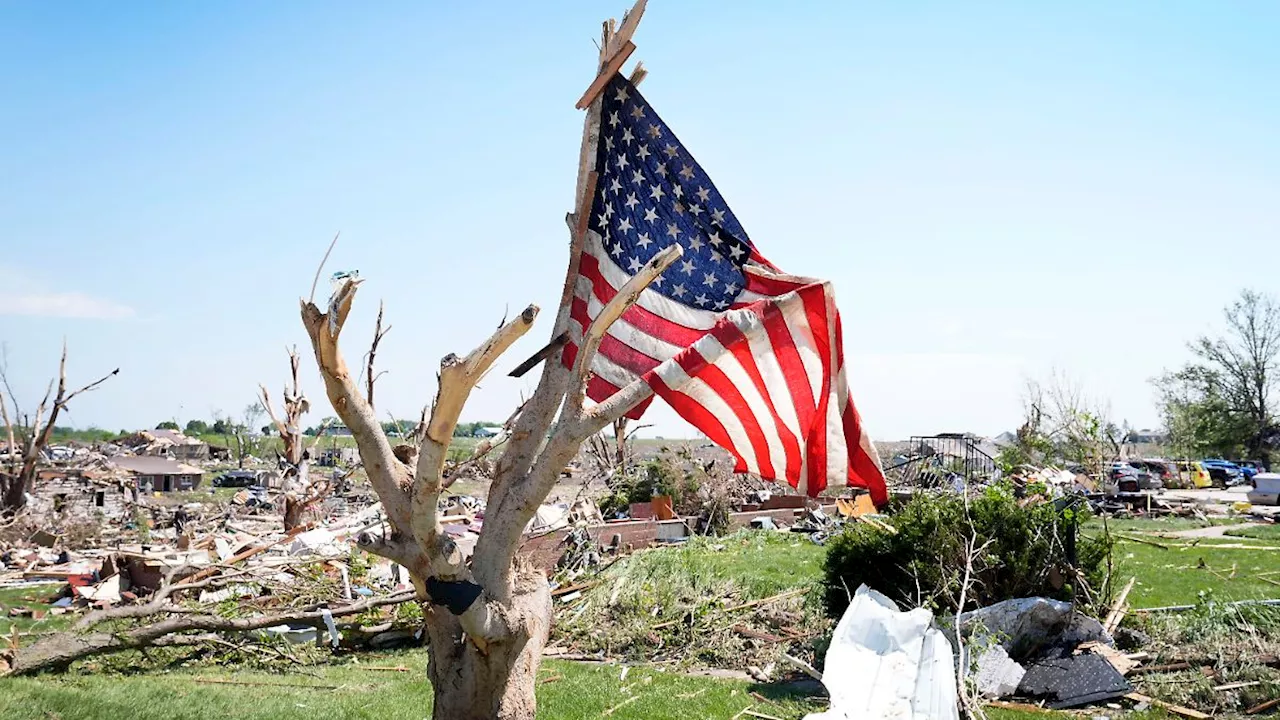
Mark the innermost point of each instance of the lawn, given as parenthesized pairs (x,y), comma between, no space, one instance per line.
(1180,574)
(567,691)
(34,597)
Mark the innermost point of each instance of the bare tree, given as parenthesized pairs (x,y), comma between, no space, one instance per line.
(1063,425)
(1246,360)
(300,489)
(487,620)
(27,437)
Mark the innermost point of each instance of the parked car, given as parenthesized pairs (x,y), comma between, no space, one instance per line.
(236,479)
(1223,472)
(1127,478)
(1251,468)
(1266,489)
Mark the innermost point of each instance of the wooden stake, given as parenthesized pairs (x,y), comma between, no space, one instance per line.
(1183,711)
(1118,608)
(610,69)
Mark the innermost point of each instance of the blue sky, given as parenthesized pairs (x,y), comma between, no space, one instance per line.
(996,189)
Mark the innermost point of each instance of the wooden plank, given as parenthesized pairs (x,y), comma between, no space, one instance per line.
(1262,707)
(1118,608)
(610,69)
(584,205)
(1183,711)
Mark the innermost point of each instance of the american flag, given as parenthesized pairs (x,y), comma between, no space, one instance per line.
(750,356)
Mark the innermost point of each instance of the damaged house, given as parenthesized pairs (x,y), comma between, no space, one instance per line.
(158,474)
(167,443)
(82,491)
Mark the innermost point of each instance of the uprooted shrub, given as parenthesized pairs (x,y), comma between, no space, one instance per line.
(1021,552)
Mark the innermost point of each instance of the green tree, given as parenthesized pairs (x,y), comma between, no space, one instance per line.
(167,425)
(1198,415)
(197,427)
(1245,360)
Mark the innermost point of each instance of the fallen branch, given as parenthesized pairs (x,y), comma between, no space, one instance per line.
(1152,543)
(250,683)
(59,650)
(1183,711)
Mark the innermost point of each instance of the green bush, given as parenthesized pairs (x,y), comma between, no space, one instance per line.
(658,476)
(1023,553)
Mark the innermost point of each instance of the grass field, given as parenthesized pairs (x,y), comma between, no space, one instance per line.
(750,565)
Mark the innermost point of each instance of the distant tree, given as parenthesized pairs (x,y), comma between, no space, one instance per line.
(168,425)
(1198,416)
(1245,362)
(197,427)
(221,426)
(26,436)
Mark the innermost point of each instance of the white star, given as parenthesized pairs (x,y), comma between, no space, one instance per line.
(731,290)
(643,152)
(656,193)
(631,201)
(635,265)
(695,243)
(702,300)
(627,137)
(625,224)
(686,172)
(615,186)
(602,219)
(679,208)
(670,150)
(715,239)
(678,291)
(622,162)
(736,251)
(654,132)
(717,216)
(687,267)
(637,176)
(613,119)
(721,304)
(608,142)
(658,281)
(703,193)
(679,191)
(717,257)
(650,216)
(696,209)
(662,169)
(673,231)
(644,241)
(608,211)
(617,250)
(621,96)
(637,112)
(708,279)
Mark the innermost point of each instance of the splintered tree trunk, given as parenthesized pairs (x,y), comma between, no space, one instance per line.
(496,683)
(294,511)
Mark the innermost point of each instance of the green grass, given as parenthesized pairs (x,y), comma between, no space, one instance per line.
(1257,532)
(576,691)
(1175,576)
(1156,524)
(35,597)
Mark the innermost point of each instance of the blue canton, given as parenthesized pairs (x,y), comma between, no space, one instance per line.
(650,193)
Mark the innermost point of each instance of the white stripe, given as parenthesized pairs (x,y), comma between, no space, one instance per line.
(775,380)
(623,331)
(802,335)
(728,363)
(678,380)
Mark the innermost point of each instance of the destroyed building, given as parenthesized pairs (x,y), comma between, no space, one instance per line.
(167,443)
(82,491)
(158,474)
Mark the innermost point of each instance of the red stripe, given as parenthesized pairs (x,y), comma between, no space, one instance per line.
(864,471)
(614,349)
(696,415)
(814,298)
(696,366)
(641,319)
(736,342)
(774,286)
(599,389)
(793,372)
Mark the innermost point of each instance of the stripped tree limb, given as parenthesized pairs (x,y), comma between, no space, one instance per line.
(19,470)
